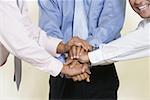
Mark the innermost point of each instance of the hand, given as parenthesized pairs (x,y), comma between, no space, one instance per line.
(75,41)
(84,76)
(84,58)
(72,68)
(75,52)
(81,77)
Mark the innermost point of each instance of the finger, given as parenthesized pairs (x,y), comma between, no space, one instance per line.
(78,51)
(67,76)
(87,45)
(88,79)
(88,71)
(73,64)
(70,54)
(84,76)
(81,44)
(74,49)
(81,51)
(79,78)
(68,62)
(74,78)
(84,68)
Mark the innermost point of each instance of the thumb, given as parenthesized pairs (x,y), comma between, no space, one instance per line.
(68,62)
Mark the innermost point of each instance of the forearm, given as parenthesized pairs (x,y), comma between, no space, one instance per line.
(15,37)
(128,47)
(109,23)
(49,43)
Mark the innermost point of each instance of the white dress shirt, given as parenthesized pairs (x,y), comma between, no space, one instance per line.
(132,46)
(25,40)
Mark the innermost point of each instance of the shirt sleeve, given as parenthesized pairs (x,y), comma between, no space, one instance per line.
(15,36)
(108,23)
(48,42)
(132,46)
(50,18)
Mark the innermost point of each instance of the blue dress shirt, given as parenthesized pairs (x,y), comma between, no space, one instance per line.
(105,19)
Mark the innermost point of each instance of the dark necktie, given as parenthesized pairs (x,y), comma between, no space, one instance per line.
(17,61)
(18,71)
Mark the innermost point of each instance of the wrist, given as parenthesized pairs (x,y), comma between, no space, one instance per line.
(66,48)
(64,69)
(61,48)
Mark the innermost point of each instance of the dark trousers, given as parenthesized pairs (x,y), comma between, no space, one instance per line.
(103,86)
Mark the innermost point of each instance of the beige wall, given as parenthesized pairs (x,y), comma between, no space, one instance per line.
(134,75)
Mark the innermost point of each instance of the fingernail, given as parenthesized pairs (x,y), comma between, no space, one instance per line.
(71,66)
(83,70)
(89,72)
(88,79)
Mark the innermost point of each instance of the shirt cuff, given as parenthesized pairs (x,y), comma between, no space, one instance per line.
(94,41)
(51,46)
(49,43)
(55,67)
(96,57)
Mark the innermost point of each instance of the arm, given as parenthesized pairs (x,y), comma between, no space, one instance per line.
(110,22)
(15,37)
(135,45)
(48,42)
(51,44)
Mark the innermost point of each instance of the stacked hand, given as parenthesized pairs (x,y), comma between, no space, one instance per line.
(76,66)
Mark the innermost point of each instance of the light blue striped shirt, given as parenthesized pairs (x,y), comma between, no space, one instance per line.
(105,19)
